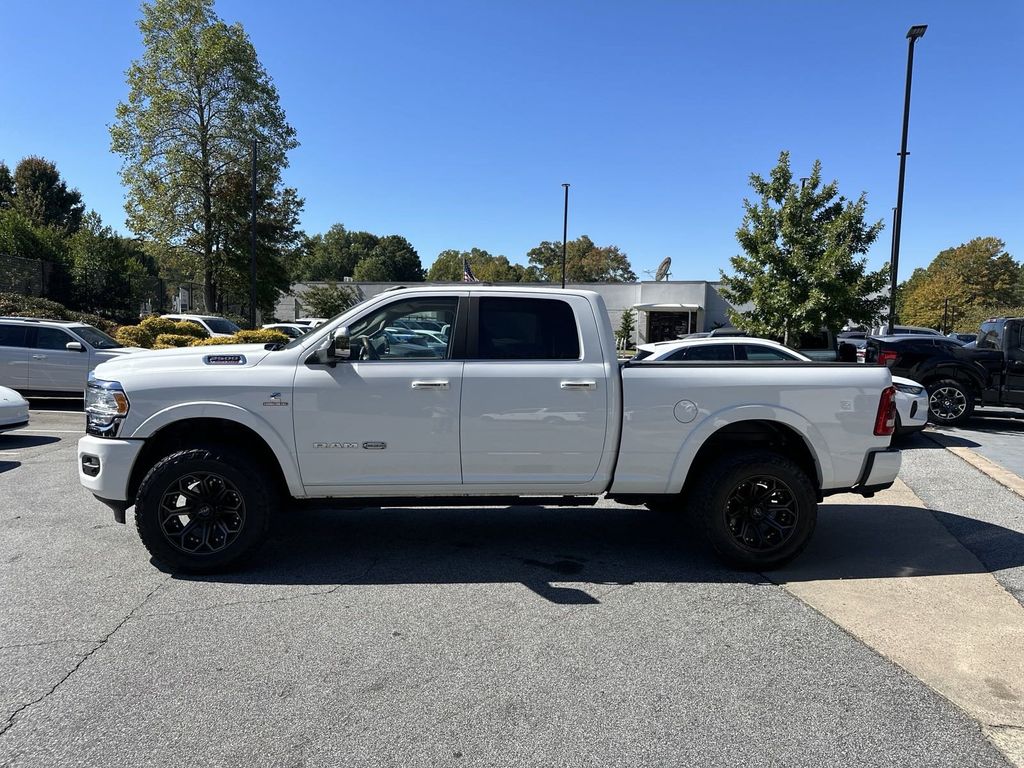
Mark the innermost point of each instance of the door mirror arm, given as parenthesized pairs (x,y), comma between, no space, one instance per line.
(338,349)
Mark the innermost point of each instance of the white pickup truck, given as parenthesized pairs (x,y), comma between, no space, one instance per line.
(520,399)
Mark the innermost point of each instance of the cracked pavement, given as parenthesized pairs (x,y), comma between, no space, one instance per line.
(428,637)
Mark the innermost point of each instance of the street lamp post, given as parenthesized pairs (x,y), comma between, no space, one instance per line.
(565,229)
(913,35)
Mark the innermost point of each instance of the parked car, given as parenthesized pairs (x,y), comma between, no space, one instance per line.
(310,322)
(966,338)
(956,376)
(911,397)
(13,410)
(213,325)
(193,441)
(291,330)
(51,356)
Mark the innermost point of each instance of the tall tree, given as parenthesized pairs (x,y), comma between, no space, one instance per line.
(976,278)
(585,262)
(448,266)
(197,98)
(37,192)
(803,267)
(277,239)
(326,257)
(392,259)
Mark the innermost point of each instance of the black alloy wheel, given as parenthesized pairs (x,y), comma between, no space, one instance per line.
(204,510)
(201,513)
(761,512)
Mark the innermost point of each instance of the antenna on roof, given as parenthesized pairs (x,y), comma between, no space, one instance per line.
(663,273)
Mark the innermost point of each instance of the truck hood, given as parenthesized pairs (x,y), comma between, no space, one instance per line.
(222,356)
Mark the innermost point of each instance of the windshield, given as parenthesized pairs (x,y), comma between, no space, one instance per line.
(221,325)
(96,338)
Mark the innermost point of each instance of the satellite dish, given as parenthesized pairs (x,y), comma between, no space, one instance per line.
(663,273)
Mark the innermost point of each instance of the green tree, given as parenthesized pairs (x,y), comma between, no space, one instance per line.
(197,99)
(37,192)
(277,238)
(110,274)
(585,262)
(329,256)
(978,278)
(328,300)
(626,327)
(392,259)
(448,267)
(802,266)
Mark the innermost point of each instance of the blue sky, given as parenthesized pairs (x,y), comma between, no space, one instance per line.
(455,123)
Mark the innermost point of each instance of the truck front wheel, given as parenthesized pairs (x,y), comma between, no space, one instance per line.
(202,510)
(759,509)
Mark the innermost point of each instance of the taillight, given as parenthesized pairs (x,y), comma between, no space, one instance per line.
(885,419)
(886,356)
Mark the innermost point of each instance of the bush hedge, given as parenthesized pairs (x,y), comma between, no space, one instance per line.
(134,336)
(209,342)
(156,325)
(261,336)
(196,331)
(169,340)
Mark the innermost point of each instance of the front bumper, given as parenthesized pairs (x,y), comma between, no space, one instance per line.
(913,411)
(105,466)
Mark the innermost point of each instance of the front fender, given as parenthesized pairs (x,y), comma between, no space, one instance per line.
(700,434)
(229,412)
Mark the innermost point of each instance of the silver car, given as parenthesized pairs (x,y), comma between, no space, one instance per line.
(51,356)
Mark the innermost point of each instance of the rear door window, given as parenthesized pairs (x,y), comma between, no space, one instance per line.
(762,354)
(704,352)
(526,329)
(13,335)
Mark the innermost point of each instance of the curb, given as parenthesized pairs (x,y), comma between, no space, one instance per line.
(1000,474)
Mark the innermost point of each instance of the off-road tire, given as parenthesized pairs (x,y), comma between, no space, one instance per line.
(717,501)
(950,402)
(246,495)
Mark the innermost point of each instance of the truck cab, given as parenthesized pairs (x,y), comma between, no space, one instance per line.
(1006,335)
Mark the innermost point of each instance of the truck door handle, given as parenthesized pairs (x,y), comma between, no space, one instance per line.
(38,357)
(579,385)
(436,384)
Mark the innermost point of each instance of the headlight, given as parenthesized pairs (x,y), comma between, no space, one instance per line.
(106,405)
(910,390)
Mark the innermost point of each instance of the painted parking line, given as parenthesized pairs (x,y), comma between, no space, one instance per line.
(43,431)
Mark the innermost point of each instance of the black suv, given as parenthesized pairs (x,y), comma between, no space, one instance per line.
(957,377)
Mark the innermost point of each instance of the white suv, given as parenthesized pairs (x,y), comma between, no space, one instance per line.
(213,325)
(52,356)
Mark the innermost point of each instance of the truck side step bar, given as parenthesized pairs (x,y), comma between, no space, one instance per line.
(448,501)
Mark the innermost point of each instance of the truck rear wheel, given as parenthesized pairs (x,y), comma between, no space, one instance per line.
(202,510)
(758,508)
(949,402)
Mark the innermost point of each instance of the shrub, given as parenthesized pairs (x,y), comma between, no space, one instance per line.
(18,305)
(156,325)
(262,336)
(185,328)
(134,336)
(209,342)
(169,340)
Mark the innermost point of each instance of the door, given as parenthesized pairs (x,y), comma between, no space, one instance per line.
(534,407)
(1014,392)
(53,366)
(14,355)
(390,416)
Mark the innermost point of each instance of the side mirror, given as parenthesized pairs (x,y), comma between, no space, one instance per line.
(339,348)
(74,346)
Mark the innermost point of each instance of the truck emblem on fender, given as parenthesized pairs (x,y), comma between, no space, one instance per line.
(275,399)
(335,445)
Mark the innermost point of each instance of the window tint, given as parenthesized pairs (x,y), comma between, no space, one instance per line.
(13,335)
(387,332)
(703,352)
(755,352)
(990,336)
(527,329)
(52,338)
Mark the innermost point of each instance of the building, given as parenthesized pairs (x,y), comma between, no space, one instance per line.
(664,309)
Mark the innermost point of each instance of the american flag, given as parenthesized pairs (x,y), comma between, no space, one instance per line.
(467,273)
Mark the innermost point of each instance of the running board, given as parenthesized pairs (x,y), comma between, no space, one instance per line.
(449,501)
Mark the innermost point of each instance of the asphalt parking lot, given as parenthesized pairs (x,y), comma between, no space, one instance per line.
(530,636)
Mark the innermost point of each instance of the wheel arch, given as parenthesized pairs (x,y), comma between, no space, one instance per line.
(745,427)
(188,427)
(973,380)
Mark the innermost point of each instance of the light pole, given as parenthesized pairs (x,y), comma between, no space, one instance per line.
(252,245)
(565,229)
(913,35)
